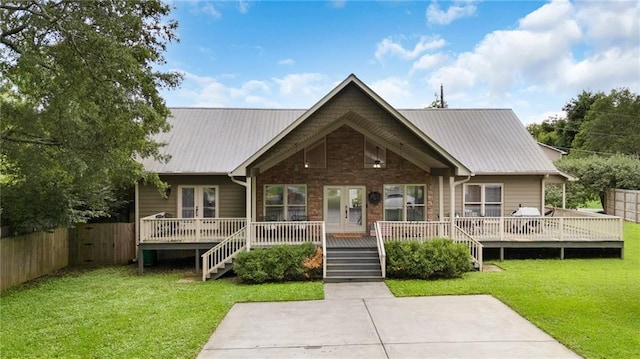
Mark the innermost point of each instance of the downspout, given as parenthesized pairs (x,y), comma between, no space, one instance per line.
(247,187)
(452,200)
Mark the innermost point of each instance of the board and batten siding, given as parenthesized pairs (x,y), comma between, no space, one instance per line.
(517,190)
(231,196)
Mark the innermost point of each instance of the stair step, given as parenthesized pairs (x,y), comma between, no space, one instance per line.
(356,266)
(351,254)
(353,279)
(355,273)
(347,260)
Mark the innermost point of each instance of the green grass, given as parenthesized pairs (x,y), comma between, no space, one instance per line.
(590,305)
(113,313)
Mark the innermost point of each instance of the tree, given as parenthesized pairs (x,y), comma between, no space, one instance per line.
(596,174)
(79,102)
(612,125)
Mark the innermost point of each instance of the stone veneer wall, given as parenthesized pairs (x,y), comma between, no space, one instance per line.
(345,166)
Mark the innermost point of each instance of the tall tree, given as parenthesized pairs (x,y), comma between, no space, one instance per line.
(612,125)
(79,102)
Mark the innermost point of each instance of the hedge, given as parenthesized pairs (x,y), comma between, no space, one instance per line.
(437,258)
(279,263)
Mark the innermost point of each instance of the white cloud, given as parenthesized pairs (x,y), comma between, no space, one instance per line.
(243,6)
(287,62)
(304,83)
(427,62)
(388,47)
(209,8)
(394,90)
(458,10)
(614,24)
(338,4)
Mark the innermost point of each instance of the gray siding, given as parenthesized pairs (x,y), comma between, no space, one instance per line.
(517,190)
(231,196)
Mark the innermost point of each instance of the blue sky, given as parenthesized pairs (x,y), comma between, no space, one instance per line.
(530,56)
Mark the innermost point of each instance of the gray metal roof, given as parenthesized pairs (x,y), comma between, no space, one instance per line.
(487,141)
(217,140)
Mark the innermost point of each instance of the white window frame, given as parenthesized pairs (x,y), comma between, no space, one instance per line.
(404,200)
(483,202)
(382,154)
(285,205)
(198,192)
(322,142)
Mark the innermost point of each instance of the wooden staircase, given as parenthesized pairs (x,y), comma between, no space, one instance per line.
(353,264)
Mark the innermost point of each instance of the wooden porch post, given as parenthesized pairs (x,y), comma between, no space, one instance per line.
(248,210)
(452,204)
(440,198)
(564,195)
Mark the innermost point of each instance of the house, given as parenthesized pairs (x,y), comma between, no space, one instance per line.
(349,168)
(553,153)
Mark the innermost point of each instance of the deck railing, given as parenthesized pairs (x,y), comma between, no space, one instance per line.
(267,234)
(157,228)
(475,247)
(217,257)
(426,231)
(606,228)
(382,253)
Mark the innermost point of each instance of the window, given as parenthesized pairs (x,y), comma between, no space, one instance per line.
(285,202)
(375,156)
(198,201)
(404,202)
(315,156)
(483,200)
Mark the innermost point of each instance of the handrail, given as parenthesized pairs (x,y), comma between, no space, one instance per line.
(382,254)
(217,256)
(324,252)
(475,247)
(267,234)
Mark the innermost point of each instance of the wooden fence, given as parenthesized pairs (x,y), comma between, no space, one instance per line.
(102,243)
(30,256)
(33,255)
(623,203)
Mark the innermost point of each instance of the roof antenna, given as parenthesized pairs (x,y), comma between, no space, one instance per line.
(441,96)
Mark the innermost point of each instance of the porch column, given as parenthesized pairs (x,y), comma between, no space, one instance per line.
(440,198)
(564,195)
(452,204)
(248,210)
(542,191)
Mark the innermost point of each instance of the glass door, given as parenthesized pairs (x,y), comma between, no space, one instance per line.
(197,202)
(345,209)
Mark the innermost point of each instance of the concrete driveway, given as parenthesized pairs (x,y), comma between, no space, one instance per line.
(363,320)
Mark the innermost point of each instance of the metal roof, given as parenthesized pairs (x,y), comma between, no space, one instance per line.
(487,141)
(217,140)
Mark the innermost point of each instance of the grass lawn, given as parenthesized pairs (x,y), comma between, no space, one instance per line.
(590,305)
(113,313)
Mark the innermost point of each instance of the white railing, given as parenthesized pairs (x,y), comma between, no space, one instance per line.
(158,228)
(382,253)
(426,231)
(217,257)
(475,247)
(420,231)
(324,252)
(267,234)
(605,228)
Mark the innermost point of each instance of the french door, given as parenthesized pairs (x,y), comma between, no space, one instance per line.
(198,202)
(345,209)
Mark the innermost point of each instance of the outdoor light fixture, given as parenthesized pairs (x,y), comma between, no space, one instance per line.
(306,164)
(376,163)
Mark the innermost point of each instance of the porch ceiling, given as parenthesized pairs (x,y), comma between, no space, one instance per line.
(389,133)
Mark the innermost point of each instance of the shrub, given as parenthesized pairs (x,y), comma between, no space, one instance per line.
(278,263)
(437,258)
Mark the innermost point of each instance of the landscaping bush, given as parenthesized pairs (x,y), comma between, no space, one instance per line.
(278,263)
(437,258)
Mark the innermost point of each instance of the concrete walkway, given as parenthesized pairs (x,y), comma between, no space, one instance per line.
(364,320)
